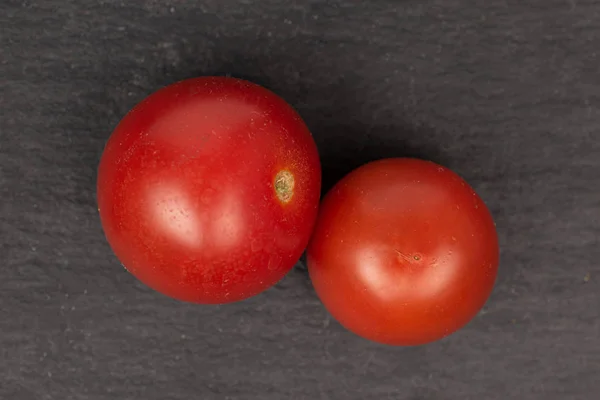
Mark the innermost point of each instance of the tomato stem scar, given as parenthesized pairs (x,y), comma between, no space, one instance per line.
(284,185)
(416,257)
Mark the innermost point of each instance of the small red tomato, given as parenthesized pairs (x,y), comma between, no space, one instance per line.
(404,252)
(208,190)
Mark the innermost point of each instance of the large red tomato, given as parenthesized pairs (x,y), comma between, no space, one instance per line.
(208,190)
(404,252)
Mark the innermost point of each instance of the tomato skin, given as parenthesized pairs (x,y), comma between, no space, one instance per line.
(404,252)
(189,190)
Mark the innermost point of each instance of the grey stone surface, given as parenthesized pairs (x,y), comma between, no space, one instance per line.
(506,93)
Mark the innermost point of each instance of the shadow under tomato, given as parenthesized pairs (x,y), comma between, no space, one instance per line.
(367,143)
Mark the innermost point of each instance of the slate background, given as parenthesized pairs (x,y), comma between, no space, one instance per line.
(506,93)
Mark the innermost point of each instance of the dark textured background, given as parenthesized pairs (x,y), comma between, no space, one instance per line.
(506,93)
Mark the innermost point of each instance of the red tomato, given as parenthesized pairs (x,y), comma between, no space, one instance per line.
(208,190)
(404,252)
